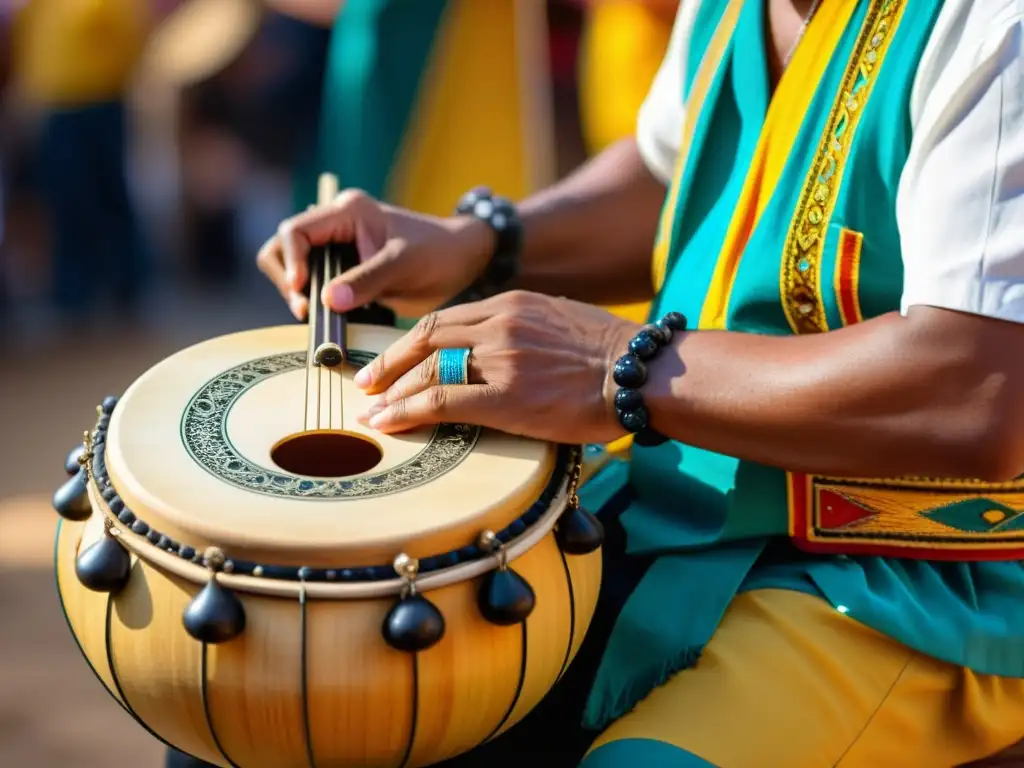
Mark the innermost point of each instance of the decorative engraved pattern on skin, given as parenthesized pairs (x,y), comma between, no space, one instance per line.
(204,434)
(801,262)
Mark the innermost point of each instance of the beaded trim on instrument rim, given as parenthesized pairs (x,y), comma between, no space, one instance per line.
(567,463)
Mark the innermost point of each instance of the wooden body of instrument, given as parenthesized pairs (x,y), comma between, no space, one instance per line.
(241,611)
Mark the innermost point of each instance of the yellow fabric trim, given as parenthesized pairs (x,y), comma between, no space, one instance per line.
(798,494)
(473,123)
(800,277)
(701,85)
(786,113)
(808,685)
(636,313)
(620,446)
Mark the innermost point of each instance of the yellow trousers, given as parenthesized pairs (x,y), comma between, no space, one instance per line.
(789,682)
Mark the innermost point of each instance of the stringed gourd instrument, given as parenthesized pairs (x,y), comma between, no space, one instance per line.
(260,581)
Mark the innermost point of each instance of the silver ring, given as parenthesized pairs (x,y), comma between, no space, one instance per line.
(453,366)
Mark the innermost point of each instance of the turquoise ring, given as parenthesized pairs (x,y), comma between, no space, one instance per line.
(453,366)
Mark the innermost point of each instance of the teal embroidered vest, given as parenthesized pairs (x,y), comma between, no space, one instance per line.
(825,248)
(825,251)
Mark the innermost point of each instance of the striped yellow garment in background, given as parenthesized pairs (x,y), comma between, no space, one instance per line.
(623,45)
(425,100)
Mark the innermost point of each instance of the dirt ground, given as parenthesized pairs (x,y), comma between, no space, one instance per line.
(53,712)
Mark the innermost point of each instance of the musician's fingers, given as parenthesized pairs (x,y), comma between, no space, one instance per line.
(421,377)
(367,281)
(454,327)
(465,404)
(270,262)
(324,224)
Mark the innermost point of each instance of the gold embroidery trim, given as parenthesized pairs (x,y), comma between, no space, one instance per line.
(801,260)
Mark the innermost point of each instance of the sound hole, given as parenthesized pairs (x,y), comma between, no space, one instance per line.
(324,453)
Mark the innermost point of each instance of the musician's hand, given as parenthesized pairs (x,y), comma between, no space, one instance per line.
(539,367)
(408,262)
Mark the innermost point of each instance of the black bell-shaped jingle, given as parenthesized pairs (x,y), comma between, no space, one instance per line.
(215,615)
(579,532)
(71,465)
(413,624)
(505,598)
(104,566)
(71,500)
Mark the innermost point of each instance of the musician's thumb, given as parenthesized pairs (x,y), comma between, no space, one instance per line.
(364,283)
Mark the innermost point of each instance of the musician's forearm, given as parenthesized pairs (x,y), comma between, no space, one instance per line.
(589,237)
(923,395)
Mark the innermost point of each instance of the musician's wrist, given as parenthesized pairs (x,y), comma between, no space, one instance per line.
(473,241)
(501,267)
(632,371)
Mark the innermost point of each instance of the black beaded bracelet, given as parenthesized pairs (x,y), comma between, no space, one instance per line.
(501,216)
(630,373)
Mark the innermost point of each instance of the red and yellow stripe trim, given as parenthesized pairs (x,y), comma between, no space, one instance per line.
(847,276)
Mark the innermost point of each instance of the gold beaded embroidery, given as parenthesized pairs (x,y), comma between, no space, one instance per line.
(801,261)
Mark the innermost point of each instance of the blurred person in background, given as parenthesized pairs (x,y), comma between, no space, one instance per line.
(622,46)
(251,120)
(74,61)
(6,16)
(422,99)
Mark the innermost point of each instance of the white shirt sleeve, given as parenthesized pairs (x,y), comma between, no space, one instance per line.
(659,129)
(960,203)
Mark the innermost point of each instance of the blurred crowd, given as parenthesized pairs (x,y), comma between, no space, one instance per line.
(150,145)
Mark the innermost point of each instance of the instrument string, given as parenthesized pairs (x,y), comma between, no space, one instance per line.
(328,276)
(341,334)
(314,292)
(319,387)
